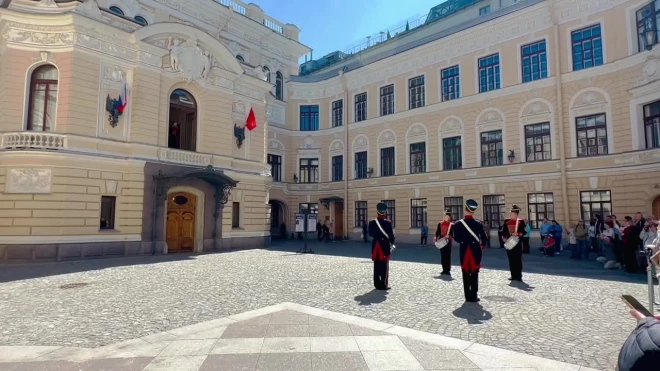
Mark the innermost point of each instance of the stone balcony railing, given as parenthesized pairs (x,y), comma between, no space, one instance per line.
(184,157)
(33,139)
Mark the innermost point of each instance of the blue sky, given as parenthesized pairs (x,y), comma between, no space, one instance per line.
(332,25)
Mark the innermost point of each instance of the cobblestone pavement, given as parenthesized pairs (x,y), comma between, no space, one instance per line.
(570,311)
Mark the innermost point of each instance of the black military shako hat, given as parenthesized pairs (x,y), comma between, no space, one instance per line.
(471,205)
(381,208)
(448,212)
(515,208)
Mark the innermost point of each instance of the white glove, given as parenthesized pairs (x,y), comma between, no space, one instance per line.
(393,248)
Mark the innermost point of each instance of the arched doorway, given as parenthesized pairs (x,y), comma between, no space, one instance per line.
(182,127)
(180,222)
(277,218)
(656,207)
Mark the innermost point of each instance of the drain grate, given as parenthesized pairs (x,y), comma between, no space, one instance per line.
(74,285)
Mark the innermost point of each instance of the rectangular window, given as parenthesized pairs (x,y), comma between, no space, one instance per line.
(537,142)
(361,107)
(309,170)
(452,153)
(337,168)
(484,10)
(387,100)
(309,118)
(595,202)
(391,211)
(337,113)
(275,163)
(236,215)
(648,18)
(455,204)
(489,73)
(591,135)
(387,161)
(309,207)
(416,92)
(360,213)
(540,206)
(494,210)
(361,165)
(652,124)
(534,61)
(107,220)
(451,83)
(418,158)
(491,148)
(418,217)
(587,46)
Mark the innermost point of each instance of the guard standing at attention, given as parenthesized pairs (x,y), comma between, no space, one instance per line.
(380,229)
(514,227)
(444,230)
(469,233)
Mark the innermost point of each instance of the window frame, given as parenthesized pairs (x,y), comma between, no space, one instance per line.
(651,121)
(391,211)
(54,84)
(542,59)
(591,39)
(417,211)
(387,162)
(533,136)
(535,222)
(275,165)
(110,226)
(309,115)
(141,20)
(361,208)
(496,69)
(450,80)
(489,209)
(641,24)
(279,86)
(586,129)
(455,148)
(337,173)
(500,156)
(455,204)
(387,104)
(309,169)
(235,215)
(116,11)
(591,203)
(416,92)
(337,113)
(360,107)
(416,156)
(361,164)
(484,10)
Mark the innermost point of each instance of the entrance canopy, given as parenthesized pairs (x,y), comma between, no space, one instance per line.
(222,183)
(327,200)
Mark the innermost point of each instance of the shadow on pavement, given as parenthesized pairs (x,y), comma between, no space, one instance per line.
(372,297)
(474,313)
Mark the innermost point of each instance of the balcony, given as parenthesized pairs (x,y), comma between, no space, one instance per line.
(33,140)
(184,157)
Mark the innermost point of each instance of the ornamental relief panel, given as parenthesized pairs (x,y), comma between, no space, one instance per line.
(589,102)
(360,143)
(536,112)
(29,180)
(386,139)
(450,127)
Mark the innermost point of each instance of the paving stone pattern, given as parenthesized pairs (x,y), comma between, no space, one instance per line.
(570,312)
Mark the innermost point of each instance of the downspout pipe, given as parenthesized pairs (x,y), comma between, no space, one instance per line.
(344,118)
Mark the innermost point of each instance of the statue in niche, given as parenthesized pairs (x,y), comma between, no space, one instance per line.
(206,62)
(174,46)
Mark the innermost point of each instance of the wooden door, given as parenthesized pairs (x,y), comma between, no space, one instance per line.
(180,227)
(656,208)
(339,220)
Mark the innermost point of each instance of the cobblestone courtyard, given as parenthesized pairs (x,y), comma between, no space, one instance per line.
(570,311)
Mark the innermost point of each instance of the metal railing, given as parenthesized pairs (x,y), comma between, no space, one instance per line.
(238,8)
(382,36)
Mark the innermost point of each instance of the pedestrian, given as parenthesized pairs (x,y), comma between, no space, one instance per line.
(444,231)
(557,233)
(515,227)
(365,233)
(544,229)
(572,243)
(469,233)
(607,240)
(630,246)
(319,230)
(332,231)
(326,232)
(380,229)
(486,225)
(500,234)
(641,350)
(424,235)
(582,239)
(525,238)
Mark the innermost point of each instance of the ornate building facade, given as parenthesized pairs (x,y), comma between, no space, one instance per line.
(129,126)
(552,105)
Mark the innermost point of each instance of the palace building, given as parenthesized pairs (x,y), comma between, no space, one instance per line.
(159,126)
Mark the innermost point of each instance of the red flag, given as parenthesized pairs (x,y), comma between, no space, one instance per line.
(251,122)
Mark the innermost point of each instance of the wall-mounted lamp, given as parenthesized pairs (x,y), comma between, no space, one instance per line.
(512,156)
(370,172)
(295,178)
(649,37)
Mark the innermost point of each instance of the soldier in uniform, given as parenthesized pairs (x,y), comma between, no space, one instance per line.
(380,229)
(514,226)
(445,230)
(469,233)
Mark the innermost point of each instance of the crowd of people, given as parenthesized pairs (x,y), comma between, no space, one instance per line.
(326,231)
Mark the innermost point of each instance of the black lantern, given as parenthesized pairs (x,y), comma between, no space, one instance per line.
(295,178)
(512,156)
(649,36)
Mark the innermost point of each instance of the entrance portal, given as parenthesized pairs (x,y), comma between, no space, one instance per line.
(180,228)
(656,207)
(339,220)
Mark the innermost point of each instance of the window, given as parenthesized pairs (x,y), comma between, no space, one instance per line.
(494,210)
(452,153)
(275,162)
(267,73)
(309,170)
(141,20)
(240,58)
(361,165)
(236,215)
(418,217)
(595,202)
(361,107)
(337,168)
(391,211)
(491,148)
(587,48)
(540,206)
(591,135)
(337,113)
(416,92)
(43,98)
(489,73)
(107,220)
(116,10)
(455,204)
(387,100)
(279,86)
(360,213)
(451,83)
(484,10)
(418,158)
(652,124)
(534,61)
(183,121)
(387,161)
(537,141)
(310,208)
(647,20)
(309,118)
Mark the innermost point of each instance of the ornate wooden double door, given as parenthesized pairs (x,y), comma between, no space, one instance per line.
(180,227)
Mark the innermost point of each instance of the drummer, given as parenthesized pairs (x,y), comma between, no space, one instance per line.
(444,230)
(515,227)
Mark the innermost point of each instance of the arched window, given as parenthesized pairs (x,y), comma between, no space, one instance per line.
(141,20)
(43,98)
(279,86)
(240,58)
(267,73)
(116,10)
(182,126)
